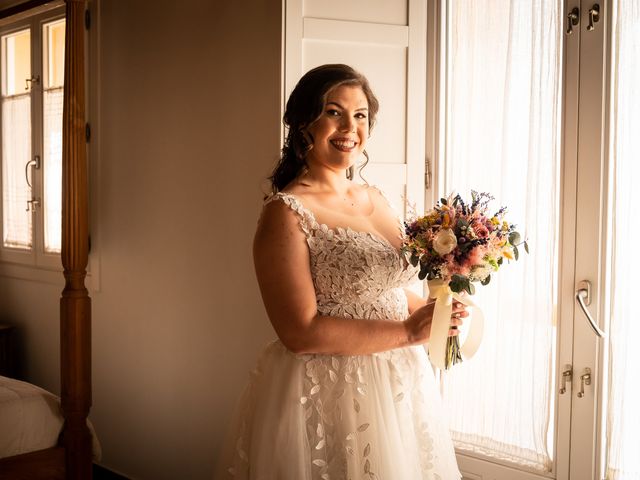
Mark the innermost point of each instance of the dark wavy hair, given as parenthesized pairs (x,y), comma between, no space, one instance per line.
(305,105)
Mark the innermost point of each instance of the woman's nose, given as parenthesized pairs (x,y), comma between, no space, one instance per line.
(347,124)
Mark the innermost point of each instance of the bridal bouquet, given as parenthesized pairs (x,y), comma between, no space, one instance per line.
(455,245)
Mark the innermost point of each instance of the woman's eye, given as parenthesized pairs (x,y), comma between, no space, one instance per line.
(361,116)
(333,113)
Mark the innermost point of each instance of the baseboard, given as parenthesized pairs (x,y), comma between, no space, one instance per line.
(102,473)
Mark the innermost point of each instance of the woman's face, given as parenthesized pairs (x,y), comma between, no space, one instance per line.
(341,132)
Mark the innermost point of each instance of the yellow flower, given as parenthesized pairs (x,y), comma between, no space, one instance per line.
(507,253)
(495,221)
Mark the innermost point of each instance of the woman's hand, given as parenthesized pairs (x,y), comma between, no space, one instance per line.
(418,325)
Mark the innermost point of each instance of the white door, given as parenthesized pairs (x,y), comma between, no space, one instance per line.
(384,40)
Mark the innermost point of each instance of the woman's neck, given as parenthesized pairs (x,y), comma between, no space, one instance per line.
(326,179)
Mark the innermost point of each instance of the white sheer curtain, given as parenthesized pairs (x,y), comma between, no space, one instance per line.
(623,420)
(16,152)
(53,169)
(503,103)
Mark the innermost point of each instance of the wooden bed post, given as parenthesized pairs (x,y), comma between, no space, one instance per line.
(75,304)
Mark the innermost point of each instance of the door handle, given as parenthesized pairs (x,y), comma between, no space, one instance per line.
(583,296)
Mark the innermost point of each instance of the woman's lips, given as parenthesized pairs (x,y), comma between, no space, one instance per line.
(344,145)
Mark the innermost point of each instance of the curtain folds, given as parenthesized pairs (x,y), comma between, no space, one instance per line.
(623,420)
(503,99)
(16,151)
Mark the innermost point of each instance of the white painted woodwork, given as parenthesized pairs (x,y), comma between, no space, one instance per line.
(590,244)
(386,41)
(371,11)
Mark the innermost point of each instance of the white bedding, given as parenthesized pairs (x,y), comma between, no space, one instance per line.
(30,419)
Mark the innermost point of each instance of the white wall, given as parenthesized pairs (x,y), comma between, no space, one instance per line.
(188,130)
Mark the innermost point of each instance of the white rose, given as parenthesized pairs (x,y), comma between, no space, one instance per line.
(445,241)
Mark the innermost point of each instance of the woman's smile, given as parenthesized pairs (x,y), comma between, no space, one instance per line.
(343,144)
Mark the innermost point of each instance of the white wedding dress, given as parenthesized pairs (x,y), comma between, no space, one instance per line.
(331,417)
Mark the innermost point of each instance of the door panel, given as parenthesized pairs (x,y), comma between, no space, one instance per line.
(385,41)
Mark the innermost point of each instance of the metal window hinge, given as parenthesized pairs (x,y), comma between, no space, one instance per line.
(87,132)
(427,173)
(87,19)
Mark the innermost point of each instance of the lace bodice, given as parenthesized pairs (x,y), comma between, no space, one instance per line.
(355,274)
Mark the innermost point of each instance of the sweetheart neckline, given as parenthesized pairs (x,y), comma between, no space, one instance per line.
(377,237)
(373,236)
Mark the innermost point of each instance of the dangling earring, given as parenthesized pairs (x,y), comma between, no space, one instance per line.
(307,139)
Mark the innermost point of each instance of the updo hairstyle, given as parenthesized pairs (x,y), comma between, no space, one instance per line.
(305,105)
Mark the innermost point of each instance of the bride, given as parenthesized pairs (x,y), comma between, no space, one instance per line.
(347,391)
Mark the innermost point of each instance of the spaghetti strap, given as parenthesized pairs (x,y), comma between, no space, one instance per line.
(307,219)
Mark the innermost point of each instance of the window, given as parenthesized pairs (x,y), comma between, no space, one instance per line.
(32,77)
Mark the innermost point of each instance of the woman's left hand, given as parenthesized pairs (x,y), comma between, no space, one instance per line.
(458,314)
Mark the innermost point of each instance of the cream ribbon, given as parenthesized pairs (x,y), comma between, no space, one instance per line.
(437,347)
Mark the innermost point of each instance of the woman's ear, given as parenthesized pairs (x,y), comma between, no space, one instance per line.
(308,139)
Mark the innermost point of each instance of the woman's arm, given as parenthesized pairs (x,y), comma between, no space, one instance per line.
(281,258)
(414,301)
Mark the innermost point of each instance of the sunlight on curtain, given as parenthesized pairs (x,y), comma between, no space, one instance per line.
(503,103)
(16,152)
(16,139)
(53,169)
(53,35)
(623,422)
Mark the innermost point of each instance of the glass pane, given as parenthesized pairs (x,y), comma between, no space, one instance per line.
(52,166)
(623,437)
(53,37)
(53,58)
(16,62)
(503,86)
(16,152)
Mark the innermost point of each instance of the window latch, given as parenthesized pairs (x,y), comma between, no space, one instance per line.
(573,17)
(33,204)
(30,82)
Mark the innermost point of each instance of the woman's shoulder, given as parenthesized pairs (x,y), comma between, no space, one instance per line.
(284,212)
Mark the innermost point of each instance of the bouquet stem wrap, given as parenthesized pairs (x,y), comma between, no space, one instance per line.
(444,297)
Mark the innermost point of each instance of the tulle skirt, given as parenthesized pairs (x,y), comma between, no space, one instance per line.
(330,417)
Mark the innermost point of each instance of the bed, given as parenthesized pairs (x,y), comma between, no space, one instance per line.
(70,456)
(31,420)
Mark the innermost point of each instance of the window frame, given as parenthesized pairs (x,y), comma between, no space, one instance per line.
(37,257)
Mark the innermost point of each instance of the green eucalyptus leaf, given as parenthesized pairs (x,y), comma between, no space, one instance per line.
(470,288)
(516,253)
(526,247)
(486,280)
(514,238)
(458,283)
(414,260)
(443,201)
